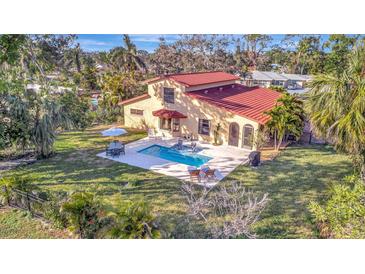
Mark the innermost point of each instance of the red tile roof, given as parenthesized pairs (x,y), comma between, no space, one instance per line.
(134,99)
(196,79)
(249,102)
(165,113)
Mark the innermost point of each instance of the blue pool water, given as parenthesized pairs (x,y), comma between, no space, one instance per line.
(184,157)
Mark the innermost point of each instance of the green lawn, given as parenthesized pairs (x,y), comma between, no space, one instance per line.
(298,175)
(17,224)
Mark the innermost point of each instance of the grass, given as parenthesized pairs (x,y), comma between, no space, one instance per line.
(297,176)
(17,224)
(75,167)
(300,174)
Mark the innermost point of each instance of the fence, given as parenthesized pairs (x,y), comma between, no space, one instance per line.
(24,200)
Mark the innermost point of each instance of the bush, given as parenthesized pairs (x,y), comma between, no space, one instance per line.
(278,88)
(83,213)
(134,221)
(52,210)
(343,214)
(11,183)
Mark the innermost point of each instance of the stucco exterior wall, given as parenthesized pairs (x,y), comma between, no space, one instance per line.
(194,109)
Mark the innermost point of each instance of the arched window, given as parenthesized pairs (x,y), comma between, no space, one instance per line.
(234,133)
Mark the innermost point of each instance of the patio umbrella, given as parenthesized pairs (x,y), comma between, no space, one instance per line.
(114,132)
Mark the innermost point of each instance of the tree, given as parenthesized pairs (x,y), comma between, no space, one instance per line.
(37,114)
(308,57)
(229,211)
(255,45)
(286,118)
(340,46)
(134,221)
(77,109)
(127,58)
(83,212)
(337,108)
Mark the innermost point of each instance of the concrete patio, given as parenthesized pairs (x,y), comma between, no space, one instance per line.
(224,159)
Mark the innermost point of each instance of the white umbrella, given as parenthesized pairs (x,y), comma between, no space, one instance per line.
(114,132)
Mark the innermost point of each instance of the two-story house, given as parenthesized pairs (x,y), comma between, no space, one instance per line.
(196,104)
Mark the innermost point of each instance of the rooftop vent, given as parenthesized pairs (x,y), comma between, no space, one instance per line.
(206,91)
(232,86)
(221,88)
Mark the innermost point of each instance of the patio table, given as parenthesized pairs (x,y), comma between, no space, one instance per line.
(116,145)
(115,149)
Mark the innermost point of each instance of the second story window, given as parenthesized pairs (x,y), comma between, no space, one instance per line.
(168,95)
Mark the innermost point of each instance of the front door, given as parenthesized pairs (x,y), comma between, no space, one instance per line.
(233,134)
(247,140)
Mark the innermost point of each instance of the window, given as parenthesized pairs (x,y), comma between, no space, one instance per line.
(136,111)
(204,126)
(168,95)
(165,123)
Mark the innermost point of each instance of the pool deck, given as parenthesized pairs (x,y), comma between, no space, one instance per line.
(224,158)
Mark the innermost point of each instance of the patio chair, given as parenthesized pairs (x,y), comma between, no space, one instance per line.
(193,146)
(108,151)
(151,133)
(208,173)
(194,174)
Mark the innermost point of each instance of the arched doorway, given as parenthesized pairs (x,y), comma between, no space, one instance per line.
(247,136)
(234,134)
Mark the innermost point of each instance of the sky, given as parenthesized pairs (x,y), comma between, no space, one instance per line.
(148,42)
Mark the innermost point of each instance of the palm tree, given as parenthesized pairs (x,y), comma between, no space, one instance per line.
(337,108)
(286,118)
(127,58)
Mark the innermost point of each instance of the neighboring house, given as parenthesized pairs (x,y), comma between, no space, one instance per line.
(264,79)
(296,81)
(193,104)
(53,89)
(269,78)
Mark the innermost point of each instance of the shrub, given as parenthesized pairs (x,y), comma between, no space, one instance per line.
(343,214)
(83,212)
(134,221)
(278,88)
(11,183)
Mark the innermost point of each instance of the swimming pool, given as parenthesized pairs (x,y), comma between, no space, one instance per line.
(185,157)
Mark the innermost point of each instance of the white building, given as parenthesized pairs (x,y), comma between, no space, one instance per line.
(270,78)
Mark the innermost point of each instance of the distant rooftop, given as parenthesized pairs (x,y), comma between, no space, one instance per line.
(274,76)
(198,78)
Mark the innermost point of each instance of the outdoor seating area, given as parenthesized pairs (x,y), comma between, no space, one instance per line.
(115,149)
(203,175)
(197,161)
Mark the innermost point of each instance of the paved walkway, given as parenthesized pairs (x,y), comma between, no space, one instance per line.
(225,158)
